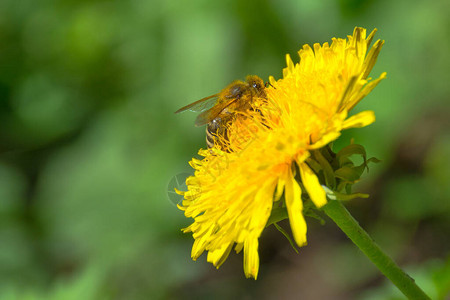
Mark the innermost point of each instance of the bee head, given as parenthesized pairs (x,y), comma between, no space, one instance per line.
(256,84)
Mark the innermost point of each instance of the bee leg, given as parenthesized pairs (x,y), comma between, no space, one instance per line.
(267,85)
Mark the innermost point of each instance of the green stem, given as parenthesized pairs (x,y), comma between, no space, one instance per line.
(341,216)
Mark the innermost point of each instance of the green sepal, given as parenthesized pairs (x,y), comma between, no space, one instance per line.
(360,169)
(349,151)
(348,189)
(373,160)
(310,211)
(328,173)
(343,185)
(314,165)
(345,161)
(333,195)
(287,236)
(348,174)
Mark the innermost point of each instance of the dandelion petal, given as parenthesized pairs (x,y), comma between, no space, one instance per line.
(312,185)
(294,205)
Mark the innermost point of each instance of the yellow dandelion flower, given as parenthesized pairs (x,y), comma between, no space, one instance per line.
(232,193)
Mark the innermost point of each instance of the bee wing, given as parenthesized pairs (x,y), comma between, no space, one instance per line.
(212,113)
(207,116)
(200,105)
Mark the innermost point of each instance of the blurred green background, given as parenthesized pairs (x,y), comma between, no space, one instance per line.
(89,144)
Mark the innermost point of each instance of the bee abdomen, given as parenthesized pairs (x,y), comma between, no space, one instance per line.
(209,138)
(211,131)
(217,134)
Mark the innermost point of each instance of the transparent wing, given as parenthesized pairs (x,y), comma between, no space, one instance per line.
(201,105)
(208,115)
(212,113)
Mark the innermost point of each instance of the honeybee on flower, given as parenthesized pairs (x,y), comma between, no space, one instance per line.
(226,106)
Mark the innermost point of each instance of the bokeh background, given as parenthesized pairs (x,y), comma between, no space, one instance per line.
(89,144)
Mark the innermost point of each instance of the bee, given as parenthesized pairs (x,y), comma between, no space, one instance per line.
(219,110)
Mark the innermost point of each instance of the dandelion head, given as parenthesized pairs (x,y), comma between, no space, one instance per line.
(277,151)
